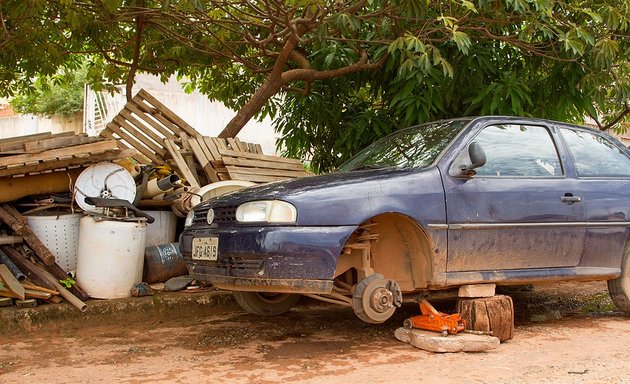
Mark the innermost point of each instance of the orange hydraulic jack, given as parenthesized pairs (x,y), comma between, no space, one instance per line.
(433,320)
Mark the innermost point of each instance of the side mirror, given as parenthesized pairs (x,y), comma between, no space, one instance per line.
(477,157)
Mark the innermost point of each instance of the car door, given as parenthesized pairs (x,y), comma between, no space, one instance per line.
(519,210)
(603,177)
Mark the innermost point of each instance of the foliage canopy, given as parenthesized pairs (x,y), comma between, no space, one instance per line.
(338,74)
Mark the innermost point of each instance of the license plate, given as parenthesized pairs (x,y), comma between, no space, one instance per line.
(205,248)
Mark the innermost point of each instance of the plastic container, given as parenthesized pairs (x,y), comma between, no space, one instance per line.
(60,234)
(162,230)
(110,257)
(161,262)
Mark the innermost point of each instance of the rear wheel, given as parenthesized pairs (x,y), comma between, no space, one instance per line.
(266,303)
(619,288)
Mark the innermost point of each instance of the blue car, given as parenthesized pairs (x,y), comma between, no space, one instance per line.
(504,200)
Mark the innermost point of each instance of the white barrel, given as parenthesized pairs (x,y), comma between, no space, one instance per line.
(110,257)
(60,234)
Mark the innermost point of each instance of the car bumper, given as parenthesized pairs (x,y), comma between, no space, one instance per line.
(272,259)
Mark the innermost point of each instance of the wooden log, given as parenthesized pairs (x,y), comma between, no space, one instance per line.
(18,223)
(489,314)
(26,267)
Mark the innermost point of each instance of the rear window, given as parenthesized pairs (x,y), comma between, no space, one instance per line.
(595,155)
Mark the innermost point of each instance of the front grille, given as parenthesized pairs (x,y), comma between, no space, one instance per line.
(236,266)
(222,215)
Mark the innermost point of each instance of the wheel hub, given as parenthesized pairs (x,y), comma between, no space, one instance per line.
(381,300)
(375,299)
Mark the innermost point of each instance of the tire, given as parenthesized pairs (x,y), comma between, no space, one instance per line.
(619,288)
(266,304)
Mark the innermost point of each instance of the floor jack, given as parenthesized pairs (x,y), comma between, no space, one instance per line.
(433,320)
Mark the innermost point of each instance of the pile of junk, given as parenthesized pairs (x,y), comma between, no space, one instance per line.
(98,217)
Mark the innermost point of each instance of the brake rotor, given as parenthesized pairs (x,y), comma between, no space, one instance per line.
(375,299)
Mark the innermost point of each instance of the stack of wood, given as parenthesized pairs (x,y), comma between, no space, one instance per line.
(28,268)
(163,138)
(46,152)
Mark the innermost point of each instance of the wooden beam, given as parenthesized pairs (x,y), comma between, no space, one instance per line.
(181,163)
(168,113)
(255,156)
(75,161)
(53,154)
(11,283)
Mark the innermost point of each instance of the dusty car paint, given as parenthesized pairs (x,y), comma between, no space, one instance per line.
(508,230)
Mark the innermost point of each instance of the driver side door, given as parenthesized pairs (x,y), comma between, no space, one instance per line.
(520,210)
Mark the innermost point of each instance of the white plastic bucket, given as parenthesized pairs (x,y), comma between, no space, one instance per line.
(110,257)
(162,230)
(60,234)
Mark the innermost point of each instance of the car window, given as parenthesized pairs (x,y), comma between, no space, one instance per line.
(514,150)
(416,147)
(595,155)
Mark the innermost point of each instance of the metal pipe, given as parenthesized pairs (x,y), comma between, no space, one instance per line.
(155,186)
(12,267)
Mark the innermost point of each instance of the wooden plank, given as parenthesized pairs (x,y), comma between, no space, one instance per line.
(168,113)
(56,153)
(263,164)
(212,148)
(255,156)
(256,178)
(111,155)
(21,139)
(204,148)
(10,282)
(203,160)
(141,126)
(57,142)
(180,163)
(144,115)
(135,143)
(234,144)
(187,154)
(140,136)
(264,171)
(157,115)
(220,143)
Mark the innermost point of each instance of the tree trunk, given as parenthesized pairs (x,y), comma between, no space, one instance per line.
(270,87)
(487,314)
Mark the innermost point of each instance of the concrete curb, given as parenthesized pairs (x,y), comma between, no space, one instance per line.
(161,306)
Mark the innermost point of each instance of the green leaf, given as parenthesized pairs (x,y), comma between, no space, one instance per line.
(462,40)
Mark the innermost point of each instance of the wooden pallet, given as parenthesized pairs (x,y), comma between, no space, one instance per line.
(47,153)
(207,149)
(146,125)
(258,168)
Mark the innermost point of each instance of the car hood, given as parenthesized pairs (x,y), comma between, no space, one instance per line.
(310,187)
(349,198)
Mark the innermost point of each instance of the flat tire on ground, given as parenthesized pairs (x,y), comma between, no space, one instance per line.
(266,304)
(619,288)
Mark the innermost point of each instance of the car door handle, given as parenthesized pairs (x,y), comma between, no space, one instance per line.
(570,199)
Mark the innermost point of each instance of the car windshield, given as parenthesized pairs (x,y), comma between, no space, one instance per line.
(415,147)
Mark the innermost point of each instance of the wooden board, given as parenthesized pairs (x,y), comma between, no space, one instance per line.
(180,163)
(55,154)
(11,283)
(80,160)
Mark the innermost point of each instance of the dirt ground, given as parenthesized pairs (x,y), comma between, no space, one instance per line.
(565,333)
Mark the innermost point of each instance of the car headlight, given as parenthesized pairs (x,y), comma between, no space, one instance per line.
(189,219)
(270,211)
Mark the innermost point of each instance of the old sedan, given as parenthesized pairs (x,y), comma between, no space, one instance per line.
(500,200)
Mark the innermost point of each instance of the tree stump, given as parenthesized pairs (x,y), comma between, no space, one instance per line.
(487,314)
